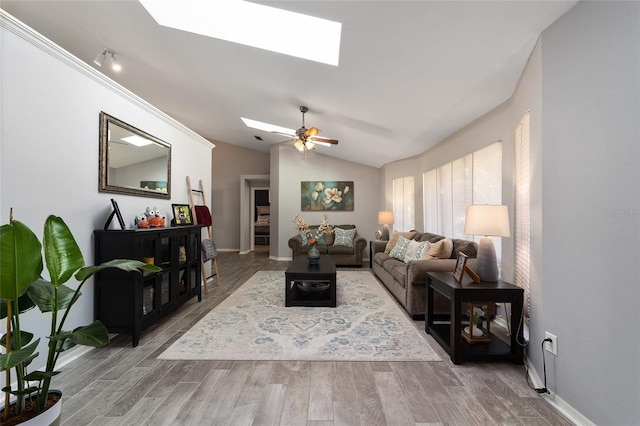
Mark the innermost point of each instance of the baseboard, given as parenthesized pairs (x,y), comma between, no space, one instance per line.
(555,401)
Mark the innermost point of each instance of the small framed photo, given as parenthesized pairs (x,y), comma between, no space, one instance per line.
(182,214)
(458,273)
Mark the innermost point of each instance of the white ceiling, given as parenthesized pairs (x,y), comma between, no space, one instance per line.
(411,72)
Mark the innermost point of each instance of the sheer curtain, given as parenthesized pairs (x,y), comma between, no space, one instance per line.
(403,204)
(448,190)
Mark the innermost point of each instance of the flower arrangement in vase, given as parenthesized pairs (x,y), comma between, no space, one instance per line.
(324,228)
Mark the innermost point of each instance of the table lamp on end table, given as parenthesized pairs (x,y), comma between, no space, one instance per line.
(386,219)
(489,221)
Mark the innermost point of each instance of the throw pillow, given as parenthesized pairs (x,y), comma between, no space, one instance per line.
(394,239)
(400,249)
(415,250)
(344,237)
(439,250)
(305,240)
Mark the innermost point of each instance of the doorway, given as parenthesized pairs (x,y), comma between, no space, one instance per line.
(248,185)
(261,219)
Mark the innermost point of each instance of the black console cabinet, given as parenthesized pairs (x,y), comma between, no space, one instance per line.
(128,302)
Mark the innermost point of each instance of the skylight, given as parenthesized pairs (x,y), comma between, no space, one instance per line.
(253,25)
(266,126)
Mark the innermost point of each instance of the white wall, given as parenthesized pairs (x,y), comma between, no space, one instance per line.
(49,146)
(292,168)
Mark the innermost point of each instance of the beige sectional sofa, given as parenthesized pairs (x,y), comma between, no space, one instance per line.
(343,255)
(407,280)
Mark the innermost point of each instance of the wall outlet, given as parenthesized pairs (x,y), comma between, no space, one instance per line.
(551,346)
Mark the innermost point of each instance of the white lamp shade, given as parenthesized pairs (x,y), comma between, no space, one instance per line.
(487,220)
(385,218)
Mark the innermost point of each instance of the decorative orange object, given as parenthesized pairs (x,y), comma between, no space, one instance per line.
(155,222)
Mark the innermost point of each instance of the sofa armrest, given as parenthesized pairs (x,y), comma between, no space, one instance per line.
(378,246)
(359,244)
(295,243)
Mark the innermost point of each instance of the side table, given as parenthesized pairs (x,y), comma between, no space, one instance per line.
(449,333)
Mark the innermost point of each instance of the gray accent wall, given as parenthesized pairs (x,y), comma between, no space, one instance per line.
(590,209)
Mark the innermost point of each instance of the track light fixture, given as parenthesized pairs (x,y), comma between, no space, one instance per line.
(99,60)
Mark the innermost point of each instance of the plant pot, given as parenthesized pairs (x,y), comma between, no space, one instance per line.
(50,417)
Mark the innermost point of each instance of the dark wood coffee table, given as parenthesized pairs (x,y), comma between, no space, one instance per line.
(311,285)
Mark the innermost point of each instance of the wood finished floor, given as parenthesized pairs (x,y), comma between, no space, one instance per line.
(121,385)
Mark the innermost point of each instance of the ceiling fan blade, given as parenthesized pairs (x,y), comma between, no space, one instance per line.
(324,141)
(284,134)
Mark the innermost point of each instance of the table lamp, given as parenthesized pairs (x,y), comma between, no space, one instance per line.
(488,221)
(386,219)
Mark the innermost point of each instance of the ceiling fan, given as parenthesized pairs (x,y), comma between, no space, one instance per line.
(304,139)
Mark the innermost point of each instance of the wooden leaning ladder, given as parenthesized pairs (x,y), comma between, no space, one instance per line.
(214,262)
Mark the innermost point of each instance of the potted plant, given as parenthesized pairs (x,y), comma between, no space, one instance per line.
(22,288)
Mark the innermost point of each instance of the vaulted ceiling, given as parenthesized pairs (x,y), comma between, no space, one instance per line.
(410,74)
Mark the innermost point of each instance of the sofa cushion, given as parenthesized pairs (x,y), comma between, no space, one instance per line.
(439,250)
(432,238)
(469,248)
(344,237)
(394,239)
(399,274)
(400,249)
(391,263)
(415,250)
(339,250)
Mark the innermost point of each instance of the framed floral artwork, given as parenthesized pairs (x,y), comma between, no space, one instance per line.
(326,195)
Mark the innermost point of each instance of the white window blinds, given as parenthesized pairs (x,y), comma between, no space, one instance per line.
(522,210)
(448,190)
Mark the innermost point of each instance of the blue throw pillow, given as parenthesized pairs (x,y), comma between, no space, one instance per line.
(305,240)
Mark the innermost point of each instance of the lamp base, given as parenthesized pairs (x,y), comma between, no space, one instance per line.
(385,233)
(486,262)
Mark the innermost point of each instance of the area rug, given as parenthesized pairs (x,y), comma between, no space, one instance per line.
(253,324)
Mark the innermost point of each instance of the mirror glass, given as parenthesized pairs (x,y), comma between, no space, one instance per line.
(132,161)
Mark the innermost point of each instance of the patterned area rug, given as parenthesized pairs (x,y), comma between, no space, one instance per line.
(253,324)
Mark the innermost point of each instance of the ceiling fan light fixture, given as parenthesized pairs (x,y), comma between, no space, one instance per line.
(299,145)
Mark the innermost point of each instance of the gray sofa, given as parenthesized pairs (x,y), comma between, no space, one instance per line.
(342,255)
(407,281)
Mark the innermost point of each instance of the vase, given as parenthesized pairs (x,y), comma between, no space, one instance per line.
(313,255)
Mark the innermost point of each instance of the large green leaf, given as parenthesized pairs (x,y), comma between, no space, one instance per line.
(124,264)
(94,334)
(14,358)
(25,338)
(24,304)
(42,292)
(61,252)
(20,259)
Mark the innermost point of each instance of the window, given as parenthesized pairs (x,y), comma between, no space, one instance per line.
(522,222)
(448,190)
(403,204)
